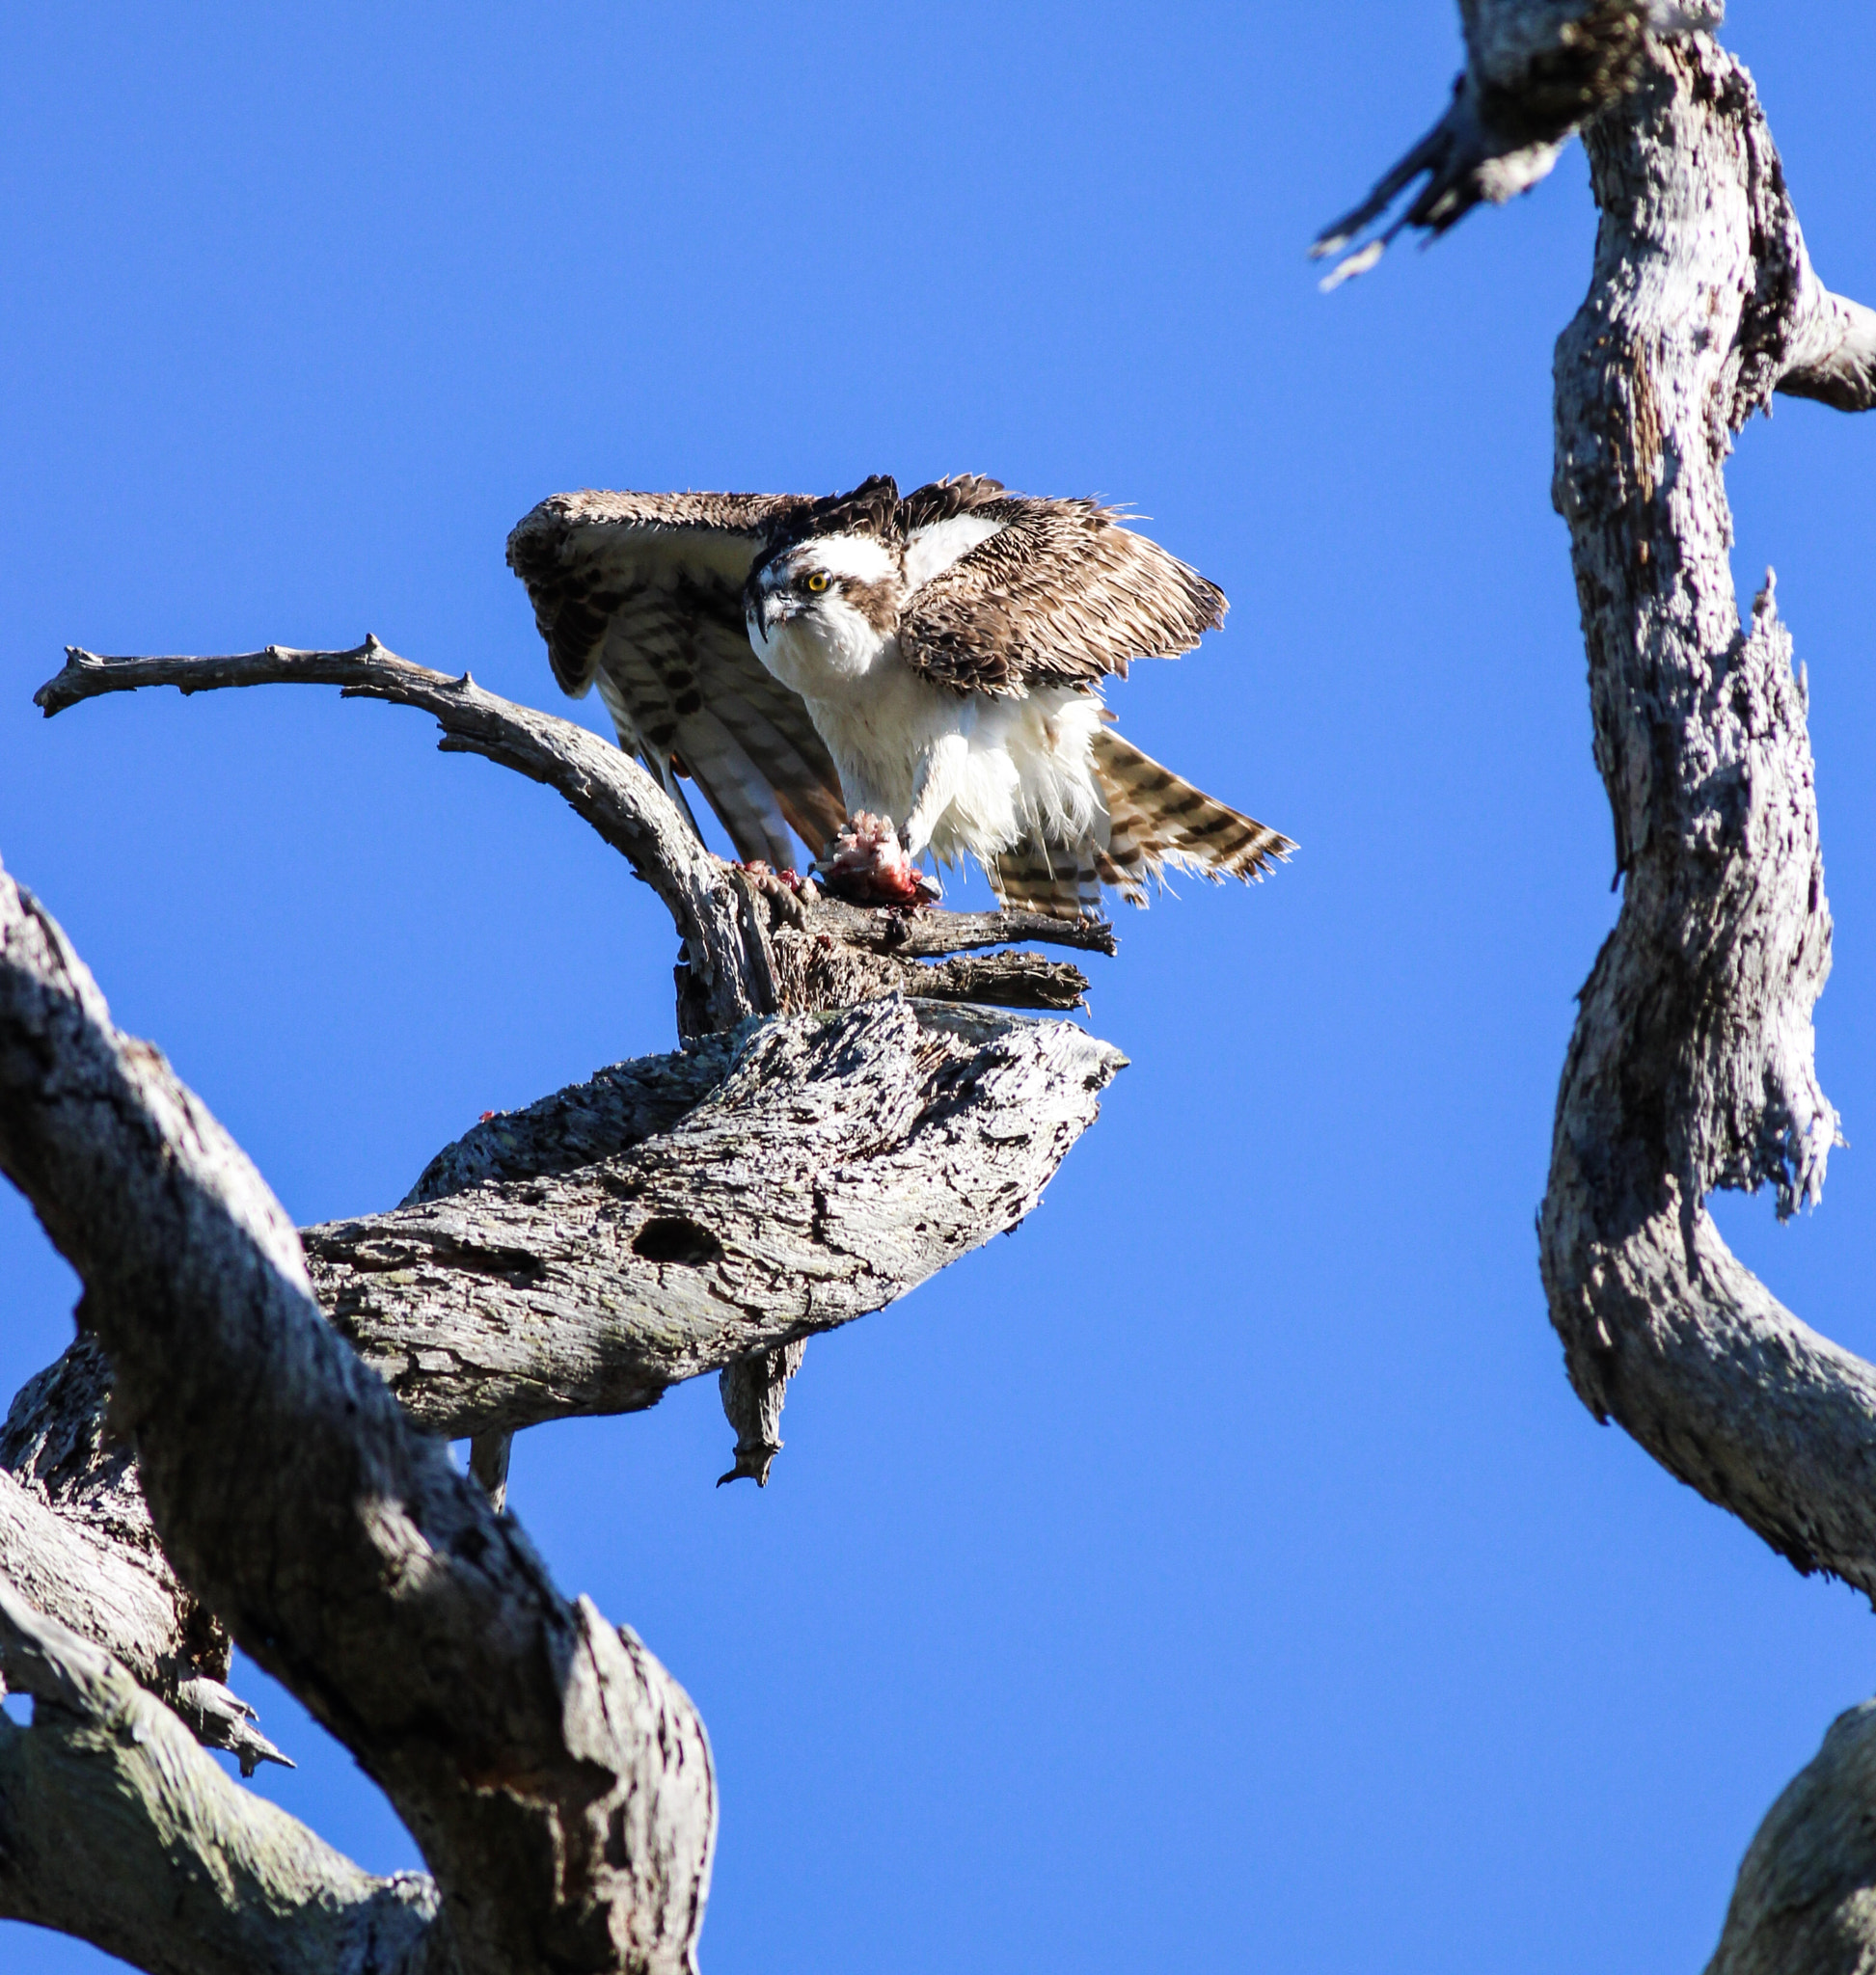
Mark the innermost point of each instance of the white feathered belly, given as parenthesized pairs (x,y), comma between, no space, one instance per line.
(1028,767)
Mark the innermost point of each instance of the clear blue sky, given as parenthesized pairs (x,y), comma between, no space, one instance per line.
(1219,1574)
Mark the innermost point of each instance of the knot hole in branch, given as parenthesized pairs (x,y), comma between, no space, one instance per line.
(672,1238)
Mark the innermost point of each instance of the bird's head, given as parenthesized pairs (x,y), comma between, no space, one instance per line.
(824,576)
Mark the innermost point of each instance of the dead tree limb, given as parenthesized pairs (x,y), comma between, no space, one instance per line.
(117,1829)
(751,948)
(691,1212)
(828,1166)
(556,1777)
(1692,1064)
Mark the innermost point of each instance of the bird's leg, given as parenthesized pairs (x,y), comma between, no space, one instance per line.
(940,777)
(870,863)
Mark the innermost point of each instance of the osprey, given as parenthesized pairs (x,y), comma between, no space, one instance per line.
(890,676)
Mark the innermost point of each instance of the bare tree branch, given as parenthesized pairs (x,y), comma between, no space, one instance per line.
(115,1828)
(1535,70)
(608,789)
(753,948)
(1692,1065)
(827,1166)
(556,1777)
(1806,1899)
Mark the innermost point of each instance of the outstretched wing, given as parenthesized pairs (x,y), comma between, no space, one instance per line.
(641,594)
(1046,593)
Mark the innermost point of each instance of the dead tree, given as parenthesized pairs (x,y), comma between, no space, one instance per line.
(246,1445)
(1692,1062)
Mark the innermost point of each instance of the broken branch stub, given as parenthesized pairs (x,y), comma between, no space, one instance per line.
(1535,70)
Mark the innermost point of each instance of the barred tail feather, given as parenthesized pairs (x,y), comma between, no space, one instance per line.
(1040,876)
(1154,820)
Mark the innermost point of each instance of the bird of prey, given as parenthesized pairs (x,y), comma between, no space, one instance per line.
(890,677)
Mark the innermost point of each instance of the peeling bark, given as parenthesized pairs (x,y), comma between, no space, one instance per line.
(700,1212)
(752,945)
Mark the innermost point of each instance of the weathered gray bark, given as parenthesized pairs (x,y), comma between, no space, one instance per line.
(1692,1065)
(753,1391)
(839,1162)
(75,1537)
(115,1828)
(556,1779)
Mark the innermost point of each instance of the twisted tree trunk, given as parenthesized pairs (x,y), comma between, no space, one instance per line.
(1692,1065)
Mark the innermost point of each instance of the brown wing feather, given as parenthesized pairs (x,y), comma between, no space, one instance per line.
(1061,596)
(643,592)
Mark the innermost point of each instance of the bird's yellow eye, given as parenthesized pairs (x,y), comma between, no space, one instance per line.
(817,583)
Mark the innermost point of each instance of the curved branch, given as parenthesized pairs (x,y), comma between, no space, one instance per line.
(754,947)
(604,785)
(115,1828)
(557,1779)
(804,1173)
(1692,1062)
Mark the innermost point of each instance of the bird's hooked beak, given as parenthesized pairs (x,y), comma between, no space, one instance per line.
(765,609)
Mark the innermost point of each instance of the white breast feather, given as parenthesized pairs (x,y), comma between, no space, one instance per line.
(1029,767)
